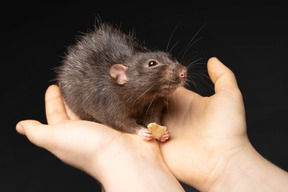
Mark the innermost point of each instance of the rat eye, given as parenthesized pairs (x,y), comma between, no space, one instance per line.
(152,63)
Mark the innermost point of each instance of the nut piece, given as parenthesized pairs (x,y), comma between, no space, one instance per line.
(156,130)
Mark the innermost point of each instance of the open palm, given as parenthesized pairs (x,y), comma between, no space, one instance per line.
(206,132)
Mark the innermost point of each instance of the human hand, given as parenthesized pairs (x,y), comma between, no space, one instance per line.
(206,132)
(120,161)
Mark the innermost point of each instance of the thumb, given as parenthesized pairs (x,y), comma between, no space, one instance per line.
(221,76)
(36,132)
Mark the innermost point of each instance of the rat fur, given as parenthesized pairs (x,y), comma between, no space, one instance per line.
(110,78)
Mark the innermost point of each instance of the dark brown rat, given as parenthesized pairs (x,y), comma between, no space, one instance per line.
(108,77)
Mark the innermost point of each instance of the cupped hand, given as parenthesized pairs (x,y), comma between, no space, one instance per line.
(205,132)
(120,161)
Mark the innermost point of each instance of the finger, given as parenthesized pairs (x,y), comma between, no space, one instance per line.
(36,132)
(55,108)
(221,76)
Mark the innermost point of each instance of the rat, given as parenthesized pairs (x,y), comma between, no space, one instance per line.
(110,78)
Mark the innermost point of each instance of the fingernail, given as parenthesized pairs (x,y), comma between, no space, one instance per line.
(20,129)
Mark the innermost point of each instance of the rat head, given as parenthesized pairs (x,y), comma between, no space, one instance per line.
(150,73)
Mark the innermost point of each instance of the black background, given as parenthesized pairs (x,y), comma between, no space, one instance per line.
(252,41)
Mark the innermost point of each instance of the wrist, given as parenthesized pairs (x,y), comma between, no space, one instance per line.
(126,167)
(247,170)
(234,168)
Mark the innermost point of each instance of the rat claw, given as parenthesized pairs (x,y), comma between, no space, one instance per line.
(164,137)
(145,134)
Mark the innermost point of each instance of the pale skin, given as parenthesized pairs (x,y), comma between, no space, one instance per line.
(208,147)
(117,160)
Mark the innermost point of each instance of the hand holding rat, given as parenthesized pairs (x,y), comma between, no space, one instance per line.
(209,148)
(102,152)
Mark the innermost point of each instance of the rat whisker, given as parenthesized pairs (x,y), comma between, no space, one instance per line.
(192,59)
(197,68)
(131,98)
(195,61)
(167,102)
(150,104)
(170,38)
(200,81)
(174,45)
(192,41)
(197,88)
(138,98)
(162,82)
(191,83)
(187,85)
(190,44)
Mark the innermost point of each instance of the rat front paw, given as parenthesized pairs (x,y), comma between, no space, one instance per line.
(164,137)
(145,134)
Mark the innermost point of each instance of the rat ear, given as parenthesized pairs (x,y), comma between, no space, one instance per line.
(118,72)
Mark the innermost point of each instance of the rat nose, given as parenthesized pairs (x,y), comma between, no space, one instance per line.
(183,73)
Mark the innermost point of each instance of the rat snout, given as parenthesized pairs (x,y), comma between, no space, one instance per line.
(183,73)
